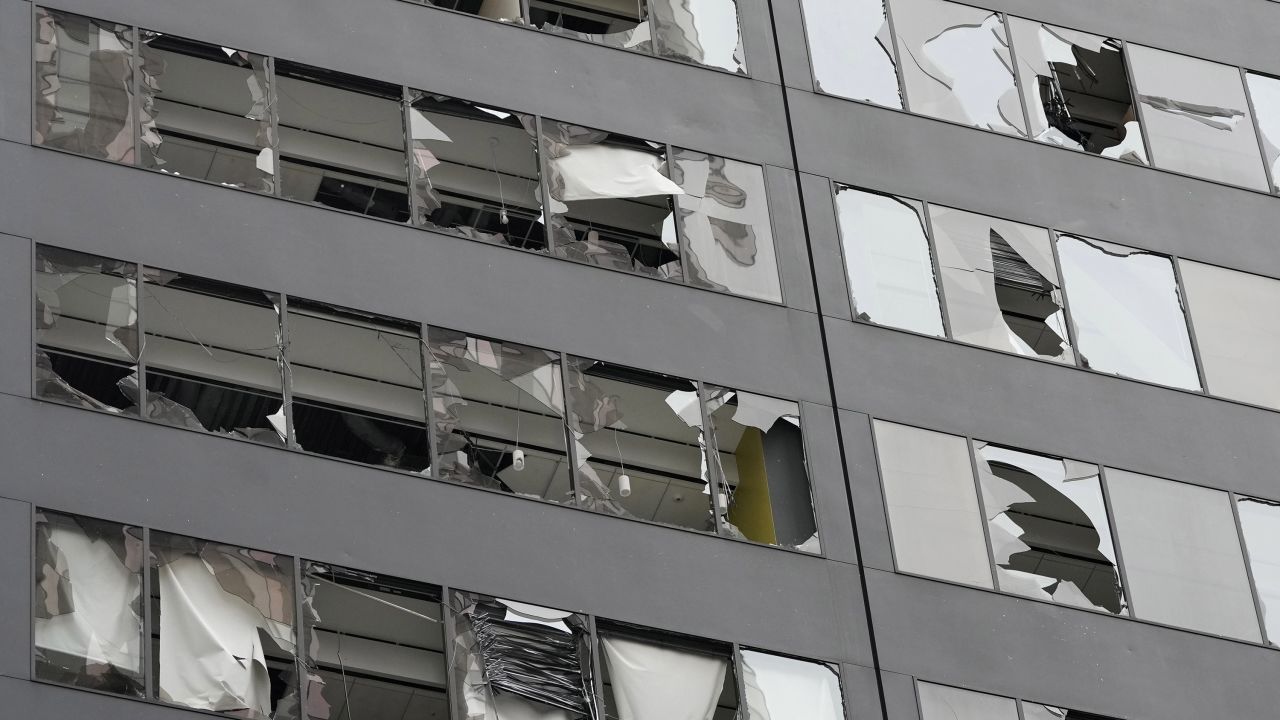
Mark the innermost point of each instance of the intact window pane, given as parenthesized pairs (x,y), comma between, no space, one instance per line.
(1182,555)
(669,678)
(1127,312)
(84,86)
(886,254)
(615,23)
(1076,90)
(504,10)
(1001,284)
(1264,91)
(724,217)
(342,141)
(780,688)
(939,702)
(1197,117)
(956,64)
(88,603)
(1260,521)
(932,504)
(700,31)
(852,51)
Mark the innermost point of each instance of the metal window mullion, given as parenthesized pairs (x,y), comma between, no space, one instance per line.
(410,163)
(897,56)
(711,455)
(1138,112)
(1184,302)
(1126,588)
(526,13)
(426,359)
(286,375)
(147,649)
(571,444)
(544,185)
(1013,70)
(741,689)
(653,25)
(301,647)
(682,244)
(1258,606)
(982,511)
(449,635)
(1257,130)
(135,80)
(273,127)
(1018,703)
(1077,357)
(140,289)
(927,224)
(597,676)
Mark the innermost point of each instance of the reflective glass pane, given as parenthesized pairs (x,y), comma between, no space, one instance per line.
(615,23)
(667,678)
(1264,91)
(939,702)
(780,688)
(699,31)
(852,51)
(503,10)
(1260,522)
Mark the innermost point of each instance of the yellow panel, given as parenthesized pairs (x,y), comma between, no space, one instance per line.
(751,511)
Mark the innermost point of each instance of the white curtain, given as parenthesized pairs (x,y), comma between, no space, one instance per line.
(651,682)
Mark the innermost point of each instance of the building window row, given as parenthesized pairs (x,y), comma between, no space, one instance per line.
(1050,84)
(1060,297)
(261,366)
(1070,532)
(251,634)
(268,125)
(945,702)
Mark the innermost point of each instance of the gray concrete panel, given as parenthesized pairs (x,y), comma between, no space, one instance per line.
(868,495)
(15,71)
(15,589)
(16,320)
(900,696)
(824,238)
(789,238)
(861,693)
(827,476)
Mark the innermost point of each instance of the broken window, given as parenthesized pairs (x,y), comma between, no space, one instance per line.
(356,380)
(611,200)
(1048,527)
(498,415)
(1264,92)
(615,23)
(851,50)
(886,254)
(639,443)
(652,677)
(1076,89)
(705,32)
(1182,555)
(342,141)
(956,65)
(1237,331)
(86,316)
(84,86)
(1036,711)
(1127,312)
(516,660)
(932,503)
(1197,117)
(1260,524)
(375,647)
(88,603)
(942,702)
(1001,284)
(782,688)
(225,618)
(503,10)
(724,217)
(757,452)
(206,112)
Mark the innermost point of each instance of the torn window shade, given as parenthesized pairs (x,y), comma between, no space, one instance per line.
(1182,555)
(932,504)
(84,86)
(88,603)
(852,50)
(724,218)
(1237,331)
(356,380)
(342,141)
(662,677)
(498,415)
(639,437)
(502,10)
(757,454)
(475,171)
(956,65)
(1048,527)
(611,200)
(1000,282)
(705,32)
(1260,524)
(942,702)
(613,23)
(212,353)
(1197,117)
(1264,92)
(1036,711)
(1127,312)
(375,647)
(226,628)
(1076,90)
(86,316)
(886,254)
(782,688)
(516,660)
(206,112)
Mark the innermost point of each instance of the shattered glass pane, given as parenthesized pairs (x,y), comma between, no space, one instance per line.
(498,415)
(1182,555)
(225,618)
(934,520)
(940,702)
(1001,284)
(1127,312)
(88,603)
(1260,523)
(956,65)
(342,141)
(206,112)
(757,453)
(674,680)
(212,353)
(1237,331)
(699,31)
(1049,530)
(516,660)
(780,688)
(724,217)
(375,647)
(357,386)
(1077,90)
(84,86)
(886,254)
(611,200)
(614,23)
(86,329)
(1197,117)
(1035,711)
(1264,91)
(852,51)
(503,10)
(475,171)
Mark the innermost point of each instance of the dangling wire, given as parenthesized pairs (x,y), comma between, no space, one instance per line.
(617,447)
(502,199)
(517,418)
